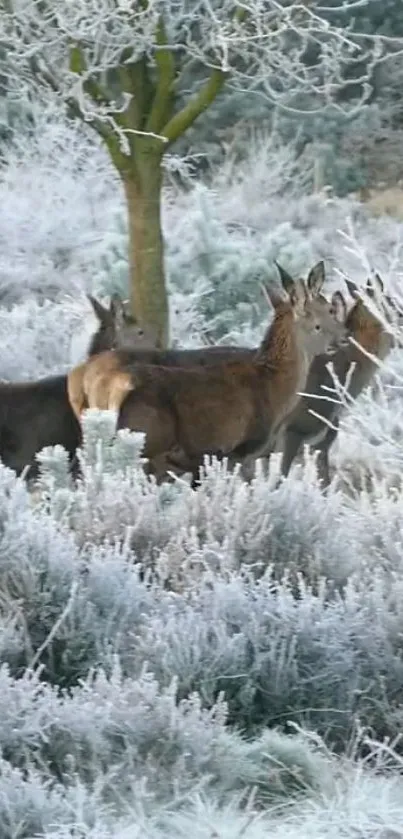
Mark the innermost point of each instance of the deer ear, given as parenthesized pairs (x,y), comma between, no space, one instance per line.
(374,285)
(100,311)
(117,309)
(286,278)
(340,306)
(298,297)
(316,278)
(379,282)
(353,289)
(272,295)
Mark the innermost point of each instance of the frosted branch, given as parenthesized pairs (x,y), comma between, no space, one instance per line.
(253,43)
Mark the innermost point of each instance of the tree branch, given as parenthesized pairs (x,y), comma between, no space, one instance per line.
(107,135)
(111,140)
(162,103)
(181,121)
(79,67)
(133,80)
(100,96)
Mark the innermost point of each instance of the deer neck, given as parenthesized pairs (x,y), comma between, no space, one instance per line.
(286,365)
(375,340)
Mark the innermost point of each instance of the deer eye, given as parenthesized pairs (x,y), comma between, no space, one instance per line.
(317,327)
(141,332)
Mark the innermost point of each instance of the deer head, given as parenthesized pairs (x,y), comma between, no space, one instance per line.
(118,328)
(319,323)
(374,289)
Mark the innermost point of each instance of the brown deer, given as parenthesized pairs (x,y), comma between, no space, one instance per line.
(100,385)
(368,331)
(38,414)
(231,408)
(207,356)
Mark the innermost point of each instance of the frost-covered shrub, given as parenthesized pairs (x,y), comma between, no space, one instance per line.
(226,526)
(31,803)
(179,589)
(60,212)
(359,802)
(226,234)
(127,738)
(126,730)
(38,339)
(266,651)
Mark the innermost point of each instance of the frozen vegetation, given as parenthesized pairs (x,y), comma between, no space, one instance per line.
(219,664)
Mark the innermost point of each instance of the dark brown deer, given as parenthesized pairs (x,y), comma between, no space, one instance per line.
(368,331)
(38,414)
(230,409)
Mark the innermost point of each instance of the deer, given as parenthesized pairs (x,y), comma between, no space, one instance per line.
(98,385)
(230,408)
(38,414)
(216,354)
(304,428)
(119,328)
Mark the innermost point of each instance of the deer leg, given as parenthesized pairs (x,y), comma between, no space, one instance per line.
(292,442)
(176,459)
(248,466)
(323,456)
(75,468)
(158,467)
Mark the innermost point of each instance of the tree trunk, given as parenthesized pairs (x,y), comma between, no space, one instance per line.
(143,184)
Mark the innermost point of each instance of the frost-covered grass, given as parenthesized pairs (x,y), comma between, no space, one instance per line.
(163,653)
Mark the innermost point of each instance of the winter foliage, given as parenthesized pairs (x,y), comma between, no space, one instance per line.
(226,663)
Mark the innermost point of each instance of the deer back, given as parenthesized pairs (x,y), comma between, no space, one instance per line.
(203,357)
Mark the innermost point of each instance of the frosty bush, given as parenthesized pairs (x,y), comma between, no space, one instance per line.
(61,213)
(226,234)
(31,804)
(226,526)
(119,728)
(84,617)
(372,431)
(38,339)
(235,588)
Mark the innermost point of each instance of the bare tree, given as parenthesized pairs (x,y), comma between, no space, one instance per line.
(119,66)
